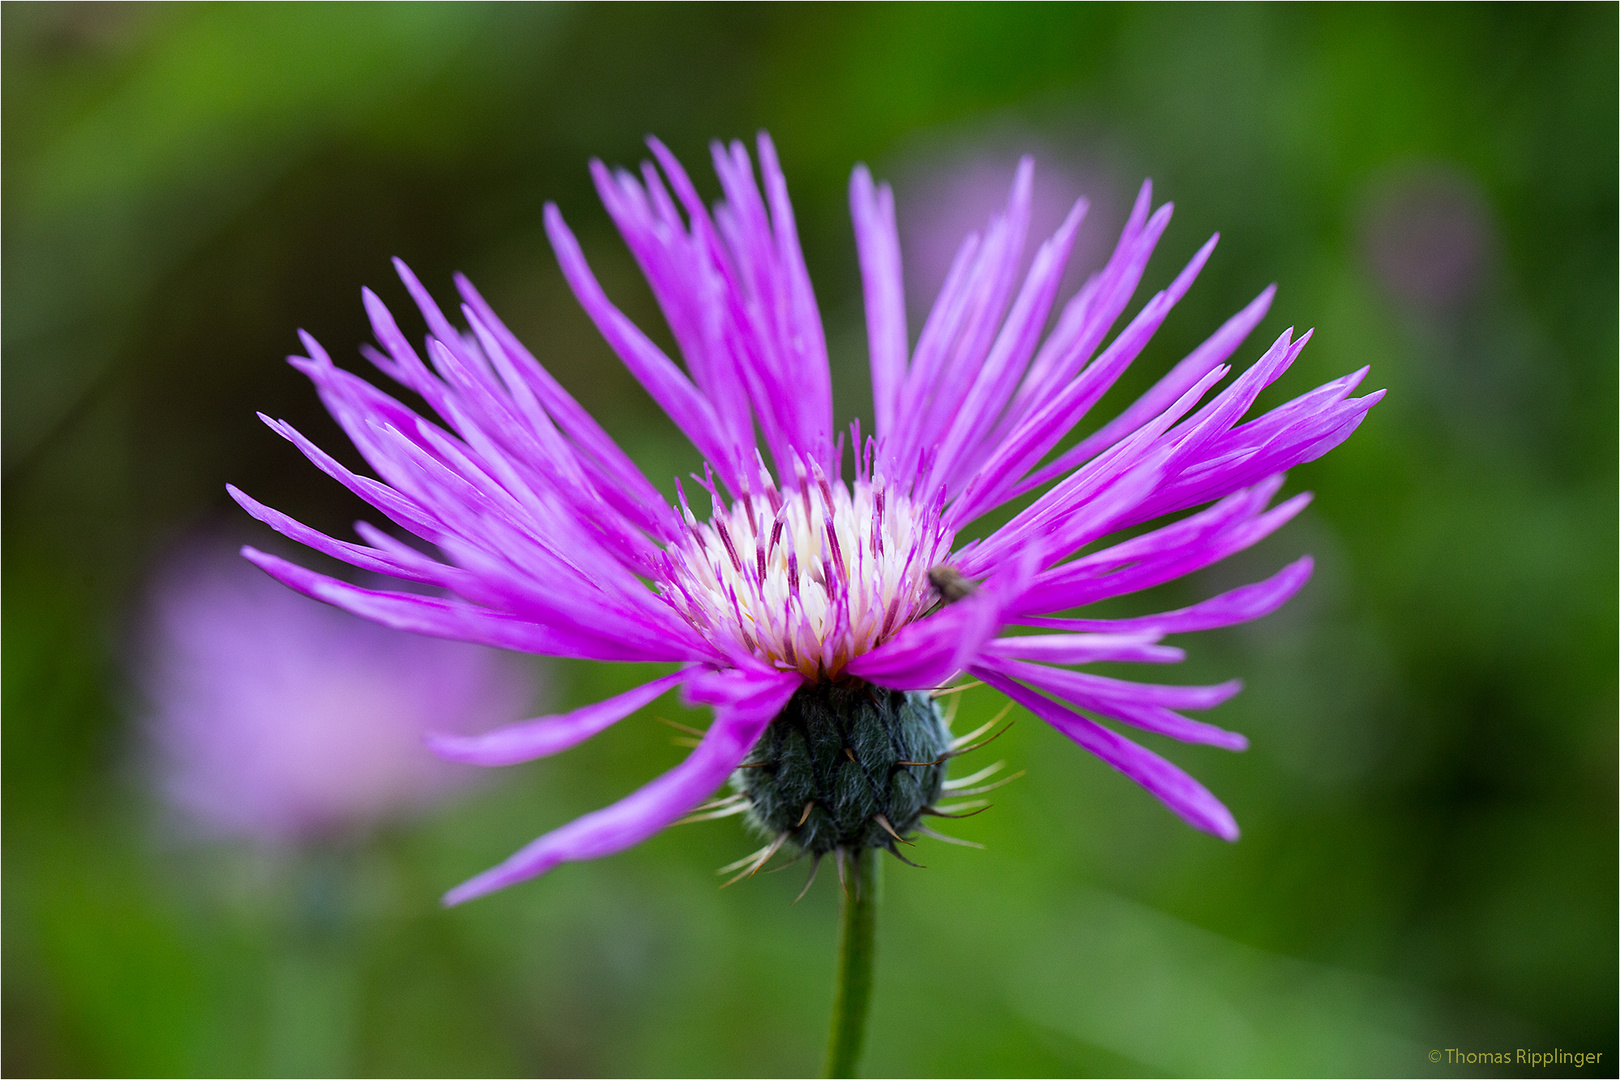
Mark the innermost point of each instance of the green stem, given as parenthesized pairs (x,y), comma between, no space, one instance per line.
(855,952)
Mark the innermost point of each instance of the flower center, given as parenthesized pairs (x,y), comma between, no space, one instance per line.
(807,580)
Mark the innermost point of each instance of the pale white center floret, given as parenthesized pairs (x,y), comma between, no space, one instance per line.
(810,579)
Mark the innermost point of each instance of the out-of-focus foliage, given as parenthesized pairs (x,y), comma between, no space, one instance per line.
(1429,858)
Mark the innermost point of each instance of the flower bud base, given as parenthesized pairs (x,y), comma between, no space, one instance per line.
(846,765)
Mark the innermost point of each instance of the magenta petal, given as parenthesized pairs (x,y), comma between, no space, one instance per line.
(737,726)
(1185,797)
(667,384)
(410,568)
(877,239)
(546,735)
(1202,360)
(1240,605)
(965,445)
(1141,648)
(1141,705)
(446,618)
(1227,529)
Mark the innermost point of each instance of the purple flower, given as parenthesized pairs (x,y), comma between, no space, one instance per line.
(1429,236)
(282,720)
(796,583)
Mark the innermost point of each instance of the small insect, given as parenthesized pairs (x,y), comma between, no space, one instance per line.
(950,584)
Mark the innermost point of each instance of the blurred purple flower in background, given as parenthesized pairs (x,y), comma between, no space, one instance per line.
(817,613)
(1429,236)
(281,720)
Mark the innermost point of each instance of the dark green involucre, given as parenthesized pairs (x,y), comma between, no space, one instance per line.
(856,755)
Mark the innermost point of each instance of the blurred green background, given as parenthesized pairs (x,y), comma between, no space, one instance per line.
(1429,806)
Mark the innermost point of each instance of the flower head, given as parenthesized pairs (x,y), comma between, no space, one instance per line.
(800,593)
(281,720)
